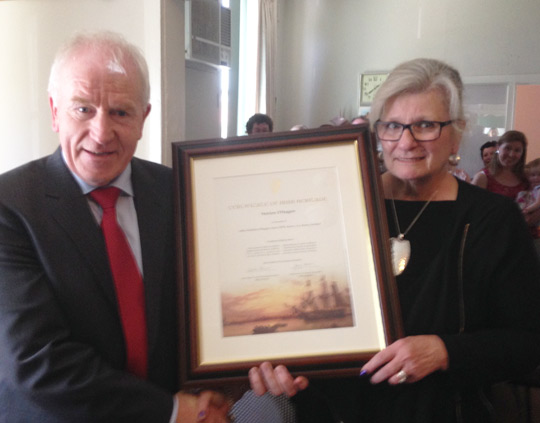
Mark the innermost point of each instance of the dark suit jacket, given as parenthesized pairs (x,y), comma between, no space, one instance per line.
(62,355)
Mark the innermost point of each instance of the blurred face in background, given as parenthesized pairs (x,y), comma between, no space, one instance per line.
(510,153)
(533,176)
(260,127)
(487,154)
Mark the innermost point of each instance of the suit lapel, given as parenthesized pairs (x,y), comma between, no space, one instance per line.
(68,206)
(149,201)
(64,201)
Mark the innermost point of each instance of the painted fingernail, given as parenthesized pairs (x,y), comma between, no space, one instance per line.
(363,373)
(202,415)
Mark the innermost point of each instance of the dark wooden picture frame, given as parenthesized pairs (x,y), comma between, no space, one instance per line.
(207,174)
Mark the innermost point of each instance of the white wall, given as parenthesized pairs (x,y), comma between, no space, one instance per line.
(173,82)
(30,33)
(326,44)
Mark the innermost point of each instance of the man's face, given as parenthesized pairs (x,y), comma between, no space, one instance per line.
(260,127)
(99,115)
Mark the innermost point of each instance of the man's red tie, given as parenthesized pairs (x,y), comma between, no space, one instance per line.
(128,282)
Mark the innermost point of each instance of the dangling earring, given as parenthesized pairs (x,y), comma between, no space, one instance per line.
(454,159)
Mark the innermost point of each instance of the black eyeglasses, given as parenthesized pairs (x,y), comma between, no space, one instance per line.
(422,131)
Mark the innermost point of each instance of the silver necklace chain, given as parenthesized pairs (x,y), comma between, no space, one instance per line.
(401,247)
(400,234)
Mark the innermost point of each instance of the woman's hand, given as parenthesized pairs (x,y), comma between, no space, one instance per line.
(276,381)
(207,407)
(408,360)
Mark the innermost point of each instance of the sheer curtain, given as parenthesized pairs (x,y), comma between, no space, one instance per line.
(266,56)
(256,73)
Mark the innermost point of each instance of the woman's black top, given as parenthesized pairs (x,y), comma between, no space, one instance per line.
(474,280)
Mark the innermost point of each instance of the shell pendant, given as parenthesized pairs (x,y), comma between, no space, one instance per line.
(401,253)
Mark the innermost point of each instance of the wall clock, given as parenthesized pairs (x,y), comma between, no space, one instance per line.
(369,84)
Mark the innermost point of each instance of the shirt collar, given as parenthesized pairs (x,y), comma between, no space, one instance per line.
(122,181)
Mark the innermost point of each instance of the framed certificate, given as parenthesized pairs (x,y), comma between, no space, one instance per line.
(283,254)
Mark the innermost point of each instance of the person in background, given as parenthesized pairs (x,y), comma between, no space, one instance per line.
(504,175)
(258,123)
(529,200)
(359,120)
(487,151)
(339,121)
(469,322)
(493,133)
(81,340)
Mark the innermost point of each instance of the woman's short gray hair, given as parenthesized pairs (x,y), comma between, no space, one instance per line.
(418,76)
(121,51)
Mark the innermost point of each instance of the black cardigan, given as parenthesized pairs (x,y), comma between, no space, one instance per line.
(474,280)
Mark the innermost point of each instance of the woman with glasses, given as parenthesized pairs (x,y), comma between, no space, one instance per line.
(505,174)
(466,272)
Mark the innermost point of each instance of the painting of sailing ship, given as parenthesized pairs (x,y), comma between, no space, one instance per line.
(296,305)
(327,304)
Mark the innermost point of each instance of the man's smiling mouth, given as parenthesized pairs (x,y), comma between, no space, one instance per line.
(99,153)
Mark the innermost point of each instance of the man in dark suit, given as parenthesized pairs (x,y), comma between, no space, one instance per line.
(63,338)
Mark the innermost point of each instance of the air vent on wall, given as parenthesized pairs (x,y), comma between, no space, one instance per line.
(208,32)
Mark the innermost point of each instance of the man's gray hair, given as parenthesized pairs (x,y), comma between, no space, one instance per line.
(121,51)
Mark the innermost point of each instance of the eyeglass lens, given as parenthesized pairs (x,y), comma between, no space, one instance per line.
(421,131)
